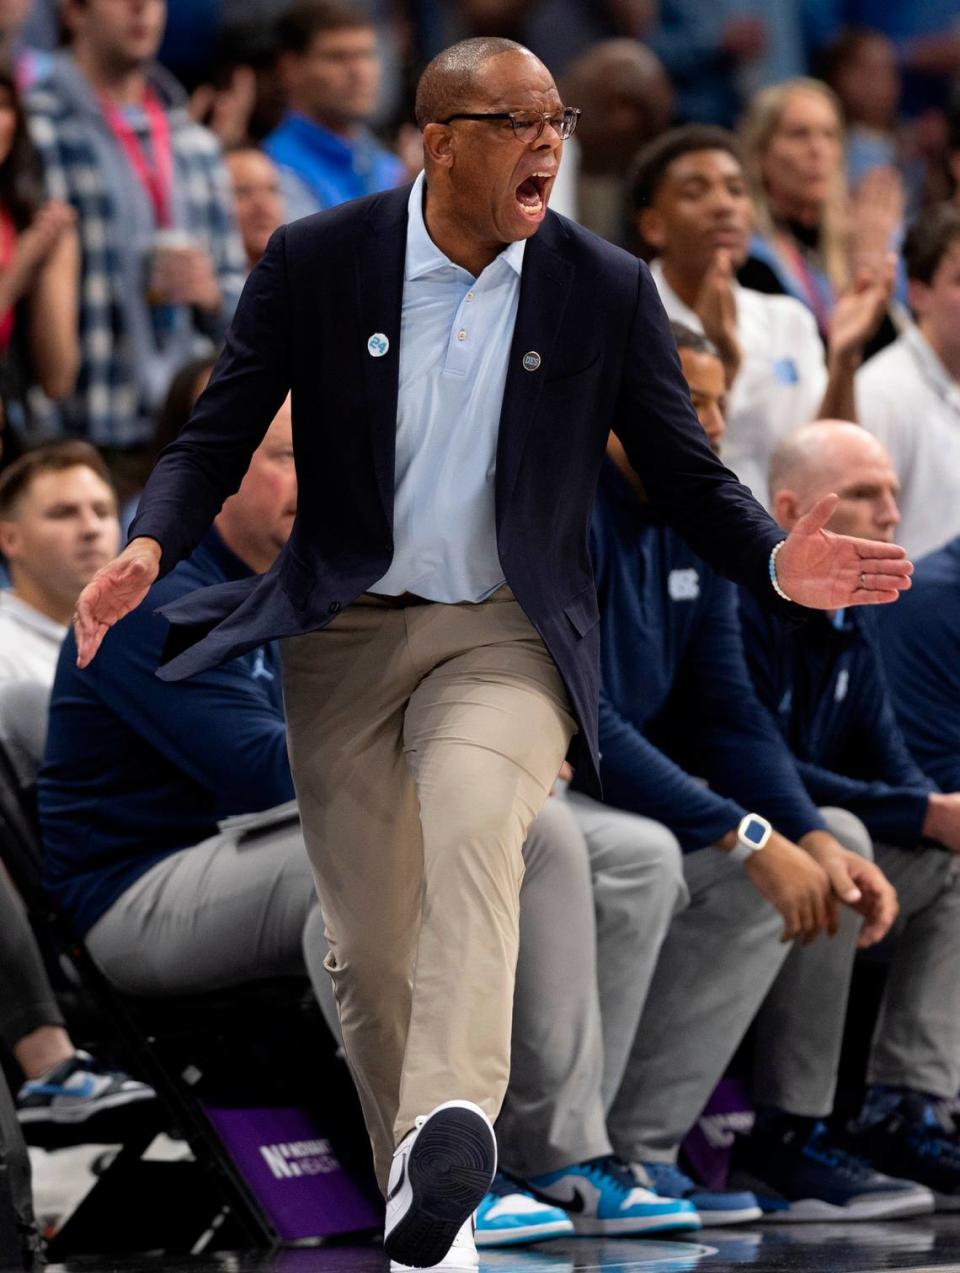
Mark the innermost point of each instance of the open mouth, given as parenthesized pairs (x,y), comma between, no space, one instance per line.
(530,194)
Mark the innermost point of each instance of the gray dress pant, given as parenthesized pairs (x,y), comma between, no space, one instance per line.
(26,997)
(217,914)
(673,1019)
(553,1114)
(916,1043)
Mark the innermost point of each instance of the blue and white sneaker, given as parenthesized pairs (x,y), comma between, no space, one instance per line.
(807,1177)
(601,1196)
(510,1215)
(714,1206)
(78,1091)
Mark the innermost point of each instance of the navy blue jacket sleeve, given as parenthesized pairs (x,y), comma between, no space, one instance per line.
(737,747)
(686,484)
(244,764)
(207,462)
(893,815)
(637,776)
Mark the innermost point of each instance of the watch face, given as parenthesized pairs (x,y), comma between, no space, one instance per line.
(753,832)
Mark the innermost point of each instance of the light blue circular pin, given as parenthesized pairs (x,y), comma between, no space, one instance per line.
(377,345)
(531,361)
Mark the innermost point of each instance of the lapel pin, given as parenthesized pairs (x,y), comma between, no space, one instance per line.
(531,361)
(378,345)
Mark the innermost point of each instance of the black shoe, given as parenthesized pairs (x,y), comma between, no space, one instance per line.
(798,1174)
(917,1139)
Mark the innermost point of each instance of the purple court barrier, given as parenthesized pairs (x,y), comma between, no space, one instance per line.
(707,1146)
(290,1166)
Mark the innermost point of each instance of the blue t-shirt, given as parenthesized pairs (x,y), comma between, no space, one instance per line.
(327,169)
(137,768)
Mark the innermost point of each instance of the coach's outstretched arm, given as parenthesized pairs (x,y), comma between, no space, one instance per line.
(207,462)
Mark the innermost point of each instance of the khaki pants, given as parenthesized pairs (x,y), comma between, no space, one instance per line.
(423,741)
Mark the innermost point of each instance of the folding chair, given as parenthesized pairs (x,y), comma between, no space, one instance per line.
(19,1239)
(237,1073)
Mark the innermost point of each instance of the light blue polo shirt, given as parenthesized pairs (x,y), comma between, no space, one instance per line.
(455,338)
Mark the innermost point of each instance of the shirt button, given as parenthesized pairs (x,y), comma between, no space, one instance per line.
(334,607)
(461,334)
(469,296)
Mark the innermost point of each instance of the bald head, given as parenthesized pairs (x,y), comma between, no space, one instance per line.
(448,84)
(836,457)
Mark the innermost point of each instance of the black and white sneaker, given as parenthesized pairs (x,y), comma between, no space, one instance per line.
(440,1174)
(78,1091)
(462,1256)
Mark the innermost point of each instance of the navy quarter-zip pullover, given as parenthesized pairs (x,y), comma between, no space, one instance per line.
(824,684)
(920,643)
(137,769)
(683,738)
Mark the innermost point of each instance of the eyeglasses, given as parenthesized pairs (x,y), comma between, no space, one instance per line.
(529,125)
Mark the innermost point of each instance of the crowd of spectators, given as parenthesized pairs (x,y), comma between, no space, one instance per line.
(791,173)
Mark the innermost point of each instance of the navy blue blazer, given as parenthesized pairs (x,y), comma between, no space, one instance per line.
(607,361)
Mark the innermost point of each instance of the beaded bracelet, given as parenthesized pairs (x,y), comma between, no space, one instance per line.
(773,572)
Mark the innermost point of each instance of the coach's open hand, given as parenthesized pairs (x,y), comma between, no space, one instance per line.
(114,591)
(815,568)
(825,571)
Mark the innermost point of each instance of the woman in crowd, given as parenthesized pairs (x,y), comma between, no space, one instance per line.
(39,258)
(813,238)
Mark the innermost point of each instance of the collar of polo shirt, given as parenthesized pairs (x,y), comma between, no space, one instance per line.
(423,257)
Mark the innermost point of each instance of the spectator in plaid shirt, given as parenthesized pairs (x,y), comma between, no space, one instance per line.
(162,261)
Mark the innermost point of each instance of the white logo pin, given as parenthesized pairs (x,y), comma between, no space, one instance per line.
(531,361)
(377,345)
(683,585)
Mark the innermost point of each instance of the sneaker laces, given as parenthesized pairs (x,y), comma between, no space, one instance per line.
(668,1180)
(826,1151)
(936,1120)
(927,1126)
(609,1168)
(922,1113)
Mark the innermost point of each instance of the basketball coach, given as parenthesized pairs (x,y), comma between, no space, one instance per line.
(457,356)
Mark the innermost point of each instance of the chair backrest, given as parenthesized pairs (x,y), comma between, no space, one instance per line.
(20,846)
(24,715)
